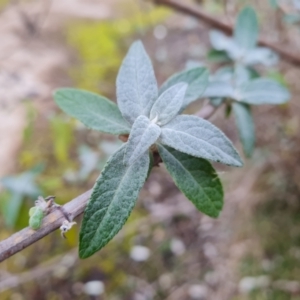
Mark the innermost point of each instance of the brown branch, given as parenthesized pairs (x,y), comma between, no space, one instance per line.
(216,23)
(53,221)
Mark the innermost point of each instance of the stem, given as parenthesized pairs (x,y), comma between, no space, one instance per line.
(199,14)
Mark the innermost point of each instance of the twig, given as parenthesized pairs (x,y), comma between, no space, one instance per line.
(54,220)
(51,222)
(216,23)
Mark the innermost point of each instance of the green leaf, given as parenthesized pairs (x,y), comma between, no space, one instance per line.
(196,178)
(246,29)
(143,134)
(198,137)
(169,103)
(36,215)
(136,84)
(196,78)
(11,209)
(113,198)
(94,111)
(219,89)
(263,91)
(245,125)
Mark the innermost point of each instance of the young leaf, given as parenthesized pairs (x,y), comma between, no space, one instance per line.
(200,138)
(196,178)
(143,134)
(246,29)
(136,84)
(94,111)
(261,55)
(36,215)
(263,91)
(219,89)
(113,198)
(245,124)
(169,103)
(197,80)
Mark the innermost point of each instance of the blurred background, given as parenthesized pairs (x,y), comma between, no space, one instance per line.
(167,249)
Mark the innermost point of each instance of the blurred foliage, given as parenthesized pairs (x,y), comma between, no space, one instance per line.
(100,46)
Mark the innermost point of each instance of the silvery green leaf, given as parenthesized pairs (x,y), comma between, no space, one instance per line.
(219,89)
(113,198)
(216,101)
(246,29)
(200,138)
(168,104)
(136,84)
(196,179)
(245,125)
(261,55)
(241,75)
(196,78)
(94,111)
(222,42)
(263,91)
(143,134)
(223,74)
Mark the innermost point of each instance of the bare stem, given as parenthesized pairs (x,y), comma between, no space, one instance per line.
(216,23)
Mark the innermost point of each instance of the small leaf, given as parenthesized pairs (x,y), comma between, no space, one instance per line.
(263,91)
(222,42)
(94,111)
(113,198)
(246,29)
(169,103)
(36,217)
(136,84)
(261,55)
(196,78)
(219,89)
(143,134)
(200,138)
(245,125)
(196,178)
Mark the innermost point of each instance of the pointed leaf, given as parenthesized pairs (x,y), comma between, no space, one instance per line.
(196,178)
(246,29)
(200,138)
(94,111)
(169,103)
(136,84)
(263,91)
(245,125)
(113,198)
(196,78)
(219,89)
(143,134)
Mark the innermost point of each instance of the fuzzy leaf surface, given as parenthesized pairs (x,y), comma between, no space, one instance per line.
(246,29)
(136,84)
(143,134)
(94,111)
(169,103)
(113,198)
(196,78)
(245,125)
(200,138)
(263,91)
(196,179)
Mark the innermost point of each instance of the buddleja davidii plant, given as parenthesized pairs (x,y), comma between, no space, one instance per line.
(150,116)
(239,86)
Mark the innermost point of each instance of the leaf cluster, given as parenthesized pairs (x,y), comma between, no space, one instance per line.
(152,119)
